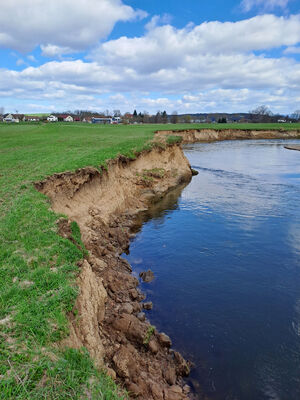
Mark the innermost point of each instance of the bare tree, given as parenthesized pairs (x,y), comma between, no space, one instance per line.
(262,110)
(296,115)
(174,117)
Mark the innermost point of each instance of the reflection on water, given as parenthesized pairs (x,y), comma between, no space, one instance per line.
(225,251)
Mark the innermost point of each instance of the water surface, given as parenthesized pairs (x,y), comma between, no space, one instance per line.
(225,251)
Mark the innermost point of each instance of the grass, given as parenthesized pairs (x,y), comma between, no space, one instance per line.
(246,126)
(38,268)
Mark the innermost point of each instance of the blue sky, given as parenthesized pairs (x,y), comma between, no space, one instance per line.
(191,56)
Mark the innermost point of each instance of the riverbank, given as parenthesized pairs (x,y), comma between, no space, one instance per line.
(212,135)
(110,321)
(294,147)
(39,268)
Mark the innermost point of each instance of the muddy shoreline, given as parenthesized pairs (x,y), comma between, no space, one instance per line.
(109,319)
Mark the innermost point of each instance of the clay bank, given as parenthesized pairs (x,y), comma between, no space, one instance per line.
(109,320)
(212,135)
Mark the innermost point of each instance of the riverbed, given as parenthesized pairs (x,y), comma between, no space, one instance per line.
(225,251)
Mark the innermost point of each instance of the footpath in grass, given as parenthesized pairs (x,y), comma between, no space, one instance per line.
(38,268)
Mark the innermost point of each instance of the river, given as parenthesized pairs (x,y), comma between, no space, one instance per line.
(225,251)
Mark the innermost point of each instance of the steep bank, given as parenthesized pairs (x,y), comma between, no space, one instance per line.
(293,147)
(211,135)
(108,319)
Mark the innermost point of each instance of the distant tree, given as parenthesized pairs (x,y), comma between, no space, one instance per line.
(262,110)
(146,117)
(117,113)
(222,120)
(158,118)
(1,110)
(295,115)
(135,113)
(187,119)
(164,117)
(174,117)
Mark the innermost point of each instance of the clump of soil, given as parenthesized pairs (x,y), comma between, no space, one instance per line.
(147,276)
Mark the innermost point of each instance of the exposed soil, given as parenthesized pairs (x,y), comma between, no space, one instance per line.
(211,135)
(293,147)
(110,321)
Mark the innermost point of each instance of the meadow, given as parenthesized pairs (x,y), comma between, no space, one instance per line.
(38,268)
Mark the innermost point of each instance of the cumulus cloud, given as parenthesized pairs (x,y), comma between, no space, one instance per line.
(166,47)
(76,25)
(247,5)
(209,67)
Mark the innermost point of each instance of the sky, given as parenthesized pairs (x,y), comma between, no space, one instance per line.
(186,56)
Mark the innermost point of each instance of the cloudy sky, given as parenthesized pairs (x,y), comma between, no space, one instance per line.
(188,56)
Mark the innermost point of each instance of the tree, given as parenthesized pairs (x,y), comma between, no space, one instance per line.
(134,113)
(146,117)
(187,119)
(117,113)
(174,117)
(296,115)
(1,110)
(158,117)
(164,117)
(262,110)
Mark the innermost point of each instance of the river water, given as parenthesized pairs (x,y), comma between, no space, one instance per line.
(225,251)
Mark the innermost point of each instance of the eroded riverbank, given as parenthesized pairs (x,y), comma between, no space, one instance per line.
(109,319)
(213,135)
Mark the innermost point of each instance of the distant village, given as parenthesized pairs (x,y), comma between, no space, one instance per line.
(259,115)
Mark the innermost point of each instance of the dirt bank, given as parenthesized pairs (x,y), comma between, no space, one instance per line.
(109,320)
(294,147)
(211,135)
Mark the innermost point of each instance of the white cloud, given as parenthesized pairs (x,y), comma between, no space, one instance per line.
(53,51)
(31,58)
(76,25)
(20,61)
(292,50)
(247,5)
(166,47)
(158,20)
(210,67)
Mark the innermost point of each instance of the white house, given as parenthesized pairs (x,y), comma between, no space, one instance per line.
(52,118)
(11,118)
(68,119)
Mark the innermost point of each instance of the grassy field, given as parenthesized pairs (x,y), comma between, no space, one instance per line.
(38,268)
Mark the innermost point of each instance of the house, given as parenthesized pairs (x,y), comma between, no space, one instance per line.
(68,118)
(31,118)
(13,118)
(102,120)
(52,118)
(116,120)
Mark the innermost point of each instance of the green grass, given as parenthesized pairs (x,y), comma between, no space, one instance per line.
(273,126)
(38,268)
